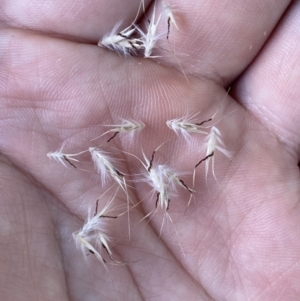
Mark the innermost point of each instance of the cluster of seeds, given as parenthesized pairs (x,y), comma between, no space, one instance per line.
(163,180)
(133,40)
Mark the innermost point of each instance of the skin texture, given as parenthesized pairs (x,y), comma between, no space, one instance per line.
(240,237)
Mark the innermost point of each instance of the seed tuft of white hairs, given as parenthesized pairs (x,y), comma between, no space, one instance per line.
(105,166)
(164,182)
(94,235)
(128,126)
(187,125)
(161,175)
(156,178)
(150,38)
(62,158)
(174,180)
(212,143)
(121,41)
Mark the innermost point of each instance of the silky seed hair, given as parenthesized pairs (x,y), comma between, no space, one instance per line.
(122,41)
(128,127)
(187,125)
(64,158)
(213,143)
(150,37)
(94,235)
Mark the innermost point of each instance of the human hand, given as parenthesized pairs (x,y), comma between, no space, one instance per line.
(240,236)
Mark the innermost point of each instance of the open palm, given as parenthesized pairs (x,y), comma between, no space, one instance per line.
(240,237)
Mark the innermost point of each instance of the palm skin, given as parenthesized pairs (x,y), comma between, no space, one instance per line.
(240,237)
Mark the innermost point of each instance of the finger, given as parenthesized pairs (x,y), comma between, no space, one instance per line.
(270,87)
(80,20)
(30,257)
(210,46)
(216,39)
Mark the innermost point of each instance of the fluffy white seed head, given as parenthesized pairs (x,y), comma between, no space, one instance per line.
(94,235)
(128,127)
(105,166)
(150,38)
(175,181)
(213,142)
(158,178)
(84,244)
(62,158)
(121,41)
(185,127)
(164,182)
(58,157)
